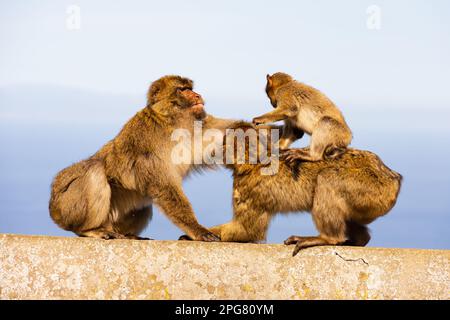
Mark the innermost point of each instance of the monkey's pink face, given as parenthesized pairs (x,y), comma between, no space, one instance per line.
(194,101)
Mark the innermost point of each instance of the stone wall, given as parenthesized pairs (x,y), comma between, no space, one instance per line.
(39,267)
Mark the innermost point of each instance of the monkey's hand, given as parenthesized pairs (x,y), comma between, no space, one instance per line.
(207,236)
(259,120)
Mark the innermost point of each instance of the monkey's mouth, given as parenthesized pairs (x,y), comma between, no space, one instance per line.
(197,107)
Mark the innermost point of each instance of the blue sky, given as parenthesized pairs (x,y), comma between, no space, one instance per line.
(72,90)
(228,47)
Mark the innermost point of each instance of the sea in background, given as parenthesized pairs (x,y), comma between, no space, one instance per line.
(44,129)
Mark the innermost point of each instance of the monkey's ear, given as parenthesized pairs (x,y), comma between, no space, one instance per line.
(269,79)
(153,92)
(190,84)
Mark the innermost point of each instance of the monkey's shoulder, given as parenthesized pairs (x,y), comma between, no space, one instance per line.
(298,91)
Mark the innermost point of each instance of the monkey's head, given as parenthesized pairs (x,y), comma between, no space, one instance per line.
(177,91)
(273,83)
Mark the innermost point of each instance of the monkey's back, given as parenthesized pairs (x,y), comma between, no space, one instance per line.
(355,174)
(312,104)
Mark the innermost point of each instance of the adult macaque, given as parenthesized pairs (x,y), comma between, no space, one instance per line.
(110,194)
(342,194)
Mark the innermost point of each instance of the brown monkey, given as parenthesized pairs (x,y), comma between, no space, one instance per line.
(109,195)
(305,109)
(343,195)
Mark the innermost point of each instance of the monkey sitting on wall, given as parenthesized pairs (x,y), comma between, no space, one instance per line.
(110,194)
(305,109)
(343,195)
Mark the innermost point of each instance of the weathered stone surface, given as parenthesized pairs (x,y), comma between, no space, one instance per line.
(37,267)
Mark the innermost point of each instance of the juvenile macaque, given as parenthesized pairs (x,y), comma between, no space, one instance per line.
(305,109)
(110,194)
(343,195)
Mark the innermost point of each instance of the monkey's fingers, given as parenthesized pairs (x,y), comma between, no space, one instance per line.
(258,120)
(293,155)
(209,237)
(297,240)
(290,158)
(185,237)
(297,248)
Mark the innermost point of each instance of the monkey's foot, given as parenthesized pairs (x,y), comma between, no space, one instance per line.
(135,237)
(307,242)
(185,237)
(304,242)
(102,234)
(109,235)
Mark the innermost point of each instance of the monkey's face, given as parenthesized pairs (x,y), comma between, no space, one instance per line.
(274,82)
(271,92)
(191,101)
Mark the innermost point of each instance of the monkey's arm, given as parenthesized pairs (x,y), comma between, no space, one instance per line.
(281,112)
(169,196)
(220,124)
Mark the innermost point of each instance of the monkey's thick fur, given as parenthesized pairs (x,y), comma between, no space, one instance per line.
(306,109)
(343,195)
(110,194)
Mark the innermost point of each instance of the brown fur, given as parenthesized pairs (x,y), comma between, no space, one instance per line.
(110,194)
(343,195)
(305,109)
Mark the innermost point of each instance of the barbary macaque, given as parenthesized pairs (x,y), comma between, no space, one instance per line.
(343,196)
(110,194)
(305,109)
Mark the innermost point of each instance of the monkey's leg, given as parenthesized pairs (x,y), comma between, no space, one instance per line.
(248,225)
(174,203)
(314,152)
(82,202)
(272,116)
(329,215)
(232,231)
(288,137)
(134,222)
(358,235)
(328,140)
